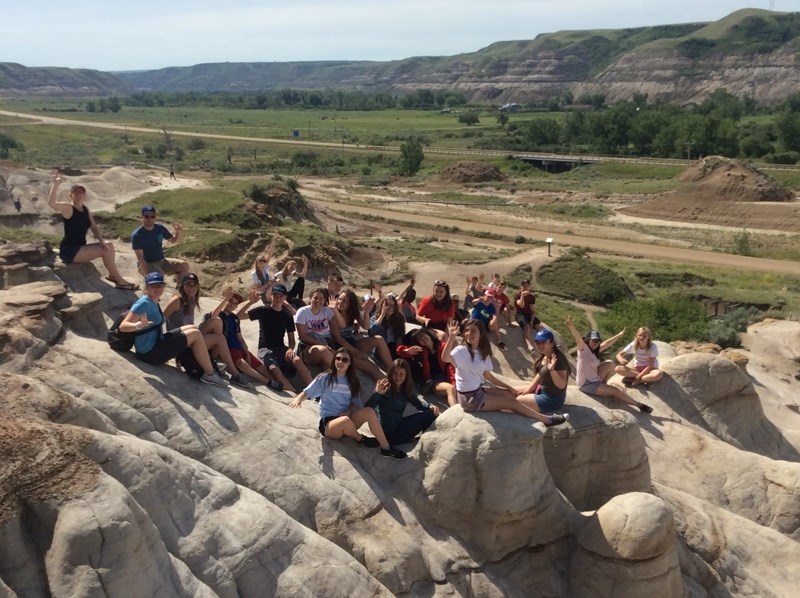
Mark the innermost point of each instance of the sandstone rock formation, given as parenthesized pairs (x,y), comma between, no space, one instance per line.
(131,480)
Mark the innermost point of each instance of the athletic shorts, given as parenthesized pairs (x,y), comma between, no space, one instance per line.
(68,252)
(169,346)
(590,387)
(277,359)
(323,423)
(471,400)
(248,358)
(525,320)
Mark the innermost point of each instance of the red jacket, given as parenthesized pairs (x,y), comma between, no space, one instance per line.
(424,358)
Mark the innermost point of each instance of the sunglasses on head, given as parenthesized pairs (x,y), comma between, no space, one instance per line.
(440,283)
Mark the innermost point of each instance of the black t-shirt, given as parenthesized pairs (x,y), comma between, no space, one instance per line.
(272,326)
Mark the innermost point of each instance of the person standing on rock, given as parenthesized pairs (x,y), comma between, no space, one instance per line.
(148,241)
(338,391)
(592,373)
(392,395)
(473,362)
(645,360)
(77,222)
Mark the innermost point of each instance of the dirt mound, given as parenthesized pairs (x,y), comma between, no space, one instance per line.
(718,178)
(471,172)
(725,192)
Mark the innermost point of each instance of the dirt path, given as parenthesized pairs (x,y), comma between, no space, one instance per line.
(612,246)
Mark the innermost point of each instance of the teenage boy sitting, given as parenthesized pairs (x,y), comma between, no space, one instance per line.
(485,310)
(273,323)
(229,310)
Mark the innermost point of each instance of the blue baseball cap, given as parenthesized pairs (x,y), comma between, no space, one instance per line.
(148,210)
(154,278)
(543,335)
(279,288)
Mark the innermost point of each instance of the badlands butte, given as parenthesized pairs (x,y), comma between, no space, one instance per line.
(122,479)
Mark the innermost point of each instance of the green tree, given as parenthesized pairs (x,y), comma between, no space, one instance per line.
(469,118)
(6,143)
(410,157)
(502,119)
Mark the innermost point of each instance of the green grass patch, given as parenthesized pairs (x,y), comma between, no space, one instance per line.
(432,249)
(577,277)
(26,235)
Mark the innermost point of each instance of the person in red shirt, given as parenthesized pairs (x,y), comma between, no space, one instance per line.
(503,302)
(525,311)
(438,309)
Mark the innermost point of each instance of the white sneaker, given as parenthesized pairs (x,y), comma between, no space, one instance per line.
(215,380)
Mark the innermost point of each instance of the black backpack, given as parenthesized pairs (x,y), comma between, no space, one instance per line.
(123,341)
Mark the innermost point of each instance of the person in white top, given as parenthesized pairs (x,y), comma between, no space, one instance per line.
(473,363)
(592,373)
(261,276)
(318,329)
(645,360)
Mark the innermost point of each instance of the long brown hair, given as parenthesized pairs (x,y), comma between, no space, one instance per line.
(186,305)
(484,346)
(559,357)
(350,373)
(408,385)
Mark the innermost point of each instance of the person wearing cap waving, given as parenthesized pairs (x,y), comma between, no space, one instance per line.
(77,221)
(147,242)
(547,392)
(592,373)
(157,347)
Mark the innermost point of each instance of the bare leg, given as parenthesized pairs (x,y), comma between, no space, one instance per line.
(248,371)
(446,389)
(302,371)
(278,375)
(194,339)
(369,368)
(652,376)
(342,426)
(318,355)
(211,326)
(501,400)
(91,252)
(376,342)
(607,390)
(605,370)
(217,344)
(368,415)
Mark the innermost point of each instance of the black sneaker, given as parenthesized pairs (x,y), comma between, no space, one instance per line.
(557,419)
(645,408)
(275,385)
(369,442)
(628,381)
(393,453)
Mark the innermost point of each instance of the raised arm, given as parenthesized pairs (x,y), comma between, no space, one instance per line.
(62,207)
(450,342)
(227,293)
(578,338)
(610,341)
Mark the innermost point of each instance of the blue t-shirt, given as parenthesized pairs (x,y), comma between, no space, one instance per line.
(144,343)
(231,327)
(151,241)
(334,399)
(484,312)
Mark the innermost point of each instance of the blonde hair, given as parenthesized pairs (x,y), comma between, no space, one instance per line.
(649,338)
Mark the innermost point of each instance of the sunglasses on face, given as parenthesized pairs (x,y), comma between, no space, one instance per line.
(149,216)
(342,359)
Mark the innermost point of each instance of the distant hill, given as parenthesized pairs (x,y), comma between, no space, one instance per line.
(750,52)
(17,80)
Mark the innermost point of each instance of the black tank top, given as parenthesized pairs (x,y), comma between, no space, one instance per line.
(75,228)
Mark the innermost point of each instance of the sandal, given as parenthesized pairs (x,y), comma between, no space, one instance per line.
(126,286)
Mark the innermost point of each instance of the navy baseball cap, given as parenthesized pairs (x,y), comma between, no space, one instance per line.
(148,210)
(154,278)
(279,288)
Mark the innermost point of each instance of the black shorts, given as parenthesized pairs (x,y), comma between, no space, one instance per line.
(525,320)
(277,357)
(68,252)
(172,344)
(323,423)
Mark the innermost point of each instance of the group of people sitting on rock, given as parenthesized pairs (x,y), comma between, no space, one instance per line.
(446,351)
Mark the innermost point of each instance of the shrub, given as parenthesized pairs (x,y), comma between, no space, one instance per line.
(670,318)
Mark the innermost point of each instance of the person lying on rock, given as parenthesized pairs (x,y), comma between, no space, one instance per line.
(229,310)
(547,392)
(473,362)
(157,347)
(180,310)
(428,368)
(338,391)
(593,374)
(389,400)
(77,222)
(645,360)
(274,322)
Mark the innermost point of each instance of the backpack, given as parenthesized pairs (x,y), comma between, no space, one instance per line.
(122,341)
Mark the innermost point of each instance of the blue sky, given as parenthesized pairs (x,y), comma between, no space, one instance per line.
(145,34)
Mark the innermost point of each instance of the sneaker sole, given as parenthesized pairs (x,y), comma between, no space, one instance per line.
(221,384)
